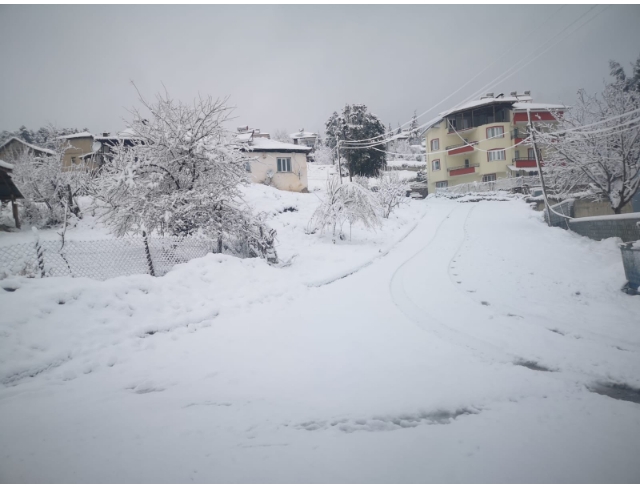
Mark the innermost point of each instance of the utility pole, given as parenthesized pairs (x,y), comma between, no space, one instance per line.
(535,153)
(339,165)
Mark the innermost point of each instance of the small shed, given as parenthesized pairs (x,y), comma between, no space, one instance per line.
(8,190)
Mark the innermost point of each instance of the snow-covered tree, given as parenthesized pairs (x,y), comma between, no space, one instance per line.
(627,83)
(281,135)
(414,130)
(183,177)
(603,159)
(353,124)
(323,154)
(50,194)
(345,203)
(392,192)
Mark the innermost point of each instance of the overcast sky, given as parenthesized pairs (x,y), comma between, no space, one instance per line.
(288,67)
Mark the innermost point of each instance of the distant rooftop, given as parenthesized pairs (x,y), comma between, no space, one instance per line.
(31,146)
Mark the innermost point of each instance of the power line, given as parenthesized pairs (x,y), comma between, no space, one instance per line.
(515,68)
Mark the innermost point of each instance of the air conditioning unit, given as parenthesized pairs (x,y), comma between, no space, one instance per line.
(513,93)
(527,93)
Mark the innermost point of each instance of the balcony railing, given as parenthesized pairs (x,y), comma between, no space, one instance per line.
(462,170)
(525,162)
(465,146)
(519,134)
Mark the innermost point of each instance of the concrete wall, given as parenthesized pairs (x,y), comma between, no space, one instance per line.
(598,228)
(585,208)
(265,163)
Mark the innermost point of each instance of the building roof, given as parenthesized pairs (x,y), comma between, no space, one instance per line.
(301,134)
(6,165)
(538,106)
(27,144)
(76,136)
(7,188)
(485,101)
(268,145)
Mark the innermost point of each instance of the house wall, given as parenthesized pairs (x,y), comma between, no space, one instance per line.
(476,156)
(264,163)
(14,149)
(78,147)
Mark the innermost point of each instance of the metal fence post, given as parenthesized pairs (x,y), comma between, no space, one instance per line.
(148,252)
(39,253)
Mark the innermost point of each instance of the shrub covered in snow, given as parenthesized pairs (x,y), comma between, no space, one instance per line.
(346,202)
(392,192)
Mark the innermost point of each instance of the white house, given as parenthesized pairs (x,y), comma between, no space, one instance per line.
(301,137)
(278,164)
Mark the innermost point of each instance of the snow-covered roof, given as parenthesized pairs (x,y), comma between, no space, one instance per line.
(486,101)
(31,146)
(538,106)
(244,136)
(303,135)
(258,144)
(76,136)
(6,165)
(125,134)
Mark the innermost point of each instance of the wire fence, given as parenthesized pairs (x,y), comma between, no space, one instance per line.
(101,259)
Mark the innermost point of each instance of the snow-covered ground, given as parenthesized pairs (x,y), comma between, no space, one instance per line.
(461,347)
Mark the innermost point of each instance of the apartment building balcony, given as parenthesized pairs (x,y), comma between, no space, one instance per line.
(519,136)
(461,148)
(463,170)
(525,162)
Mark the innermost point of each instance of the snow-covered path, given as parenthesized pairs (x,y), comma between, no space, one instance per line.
(405,371)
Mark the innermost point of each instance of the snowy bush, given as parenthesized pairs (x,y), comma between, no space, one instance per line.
(346,202)
(392,192)
(181,178)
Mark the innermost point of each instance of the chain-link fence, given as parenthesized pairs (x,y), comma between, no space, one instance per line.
(101,259)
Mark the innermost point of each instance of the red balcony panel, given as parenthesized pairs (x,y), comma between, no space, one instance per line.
(461,171)
(526,163)
(535,117)
(460,150)
(518,140)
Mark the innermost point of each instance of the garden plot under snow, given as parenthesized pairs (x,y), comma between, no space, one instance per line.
(465,345)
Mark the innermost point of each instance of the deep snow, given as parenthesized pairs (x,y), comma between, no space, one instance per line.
(413,368)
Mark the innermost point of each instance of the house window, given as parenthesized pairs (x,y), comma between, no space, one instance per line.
(442,184)
(496,155)
(247,166)
(435,144)
(531,154)
(487,178)
(73,160)
(284,164)
(495,132)
(435,165)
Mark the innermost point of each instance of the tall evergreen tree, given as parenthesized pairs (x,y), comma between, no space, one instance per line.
(356,123)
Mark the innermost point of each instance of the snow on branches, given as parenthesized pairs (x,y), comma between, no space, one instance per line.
(392,192)
(181,177)
(347,202)
(49,192)
(596,147)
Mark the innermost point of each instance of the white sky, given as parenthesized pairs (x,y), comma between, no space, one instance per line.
(291,66)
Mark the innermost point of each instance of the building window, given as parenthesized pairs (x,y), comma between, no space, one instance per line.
(487,178)
(495,132)
(531,154)
(73,160)
(442,184)
(284,164)
(435,165)
(247,166)
(496,155)
(435,144)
